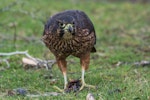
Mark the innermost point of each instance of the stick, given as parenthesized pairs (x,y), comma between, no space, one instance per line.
(142,63)
(21,53)
(13,53)
(30,60)
(44,94)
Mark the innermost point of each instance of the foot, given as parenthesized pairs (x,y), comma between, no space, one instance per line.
(86,85)
(60,90)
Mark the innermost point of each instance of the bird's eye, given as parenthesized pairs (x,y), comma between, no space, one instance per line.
(61,24)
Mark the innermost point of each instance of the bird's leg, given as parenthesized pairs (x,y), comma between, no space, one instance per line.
(83,82)
(62,64)
(65,80)
(85,60)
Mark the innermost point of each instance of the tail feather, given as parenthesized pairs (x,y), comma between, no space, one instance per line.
(93,50)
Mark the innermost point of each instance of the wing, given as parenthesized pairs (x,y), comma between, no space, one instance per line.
(84,22)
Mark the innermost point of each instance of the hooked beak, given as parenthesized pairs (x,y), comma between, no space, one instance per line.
(69,28)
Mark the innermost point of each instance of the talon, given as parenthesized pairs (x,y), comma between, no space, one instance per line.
(83,82)
(86,85)
(60,90)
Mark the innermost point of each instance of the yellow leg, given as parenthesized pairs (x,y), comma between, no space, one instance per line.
(65,80)
(83,81)
(65,84)
(63,67)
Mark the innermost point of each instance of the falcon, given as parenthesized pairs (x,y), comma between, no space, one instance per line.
(68,33)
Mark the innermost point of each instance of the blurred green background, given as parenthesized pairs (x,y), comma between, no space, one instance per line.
(123,36)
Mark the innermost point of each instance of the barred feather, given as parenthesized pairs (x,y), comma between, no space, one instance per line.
(83,40)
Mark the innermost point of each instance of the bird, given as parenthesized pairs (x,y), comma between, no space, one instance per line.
(70,32)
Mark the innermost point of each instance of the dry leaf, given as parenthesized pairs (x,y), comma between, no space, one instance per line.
(28,61)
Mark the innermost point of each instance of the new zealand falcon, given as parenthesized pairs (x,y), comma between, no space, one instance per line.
(70,33)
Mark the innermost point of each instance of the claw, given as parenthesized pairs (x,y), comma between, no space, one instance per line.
(60,90)
(83,82)
(86,85)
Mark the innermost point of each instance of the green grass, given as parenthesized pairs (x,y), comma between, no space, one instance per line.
(123,35)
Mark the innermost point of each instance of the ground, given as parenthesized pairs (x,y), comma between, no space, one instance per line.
(123,37)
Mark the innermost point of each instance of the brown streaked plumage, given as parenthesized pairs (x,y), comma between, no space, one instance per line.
(70,33)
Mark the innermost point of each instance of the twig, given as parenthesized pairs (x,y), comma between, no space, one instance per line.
(142,63)
(26,92)
(30,60)
(13,53)
(18,52)
(15,34)
(45,94)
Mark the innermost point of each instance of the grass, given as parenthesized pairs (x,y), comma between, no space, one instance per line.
(123,34)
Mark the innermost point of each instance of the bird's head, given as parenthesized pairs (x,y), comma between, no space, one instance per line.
(66,29)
